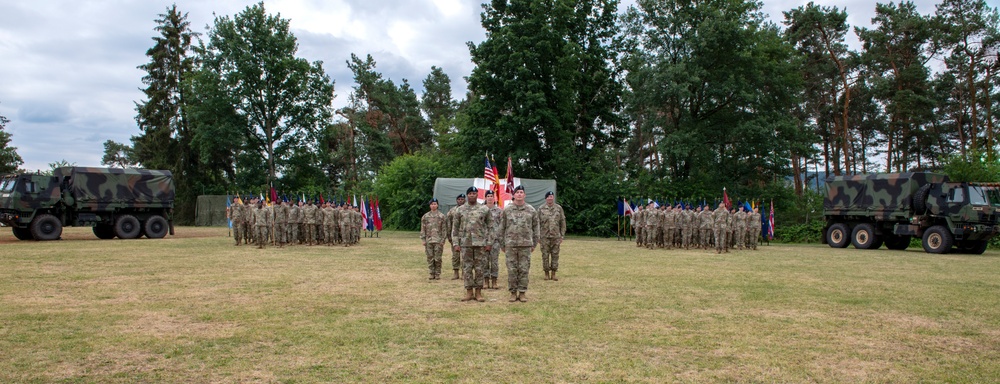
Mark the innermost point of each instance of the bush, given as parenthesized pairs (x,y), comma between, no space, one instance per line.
(811,232)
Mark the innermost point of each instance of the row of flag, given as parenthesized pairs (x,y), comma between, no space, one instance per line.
(491,175)
(625,208)
(371,210)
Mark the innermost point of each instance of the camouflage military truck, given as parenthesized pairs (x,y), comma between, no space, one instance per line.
(123,203)
(891,208)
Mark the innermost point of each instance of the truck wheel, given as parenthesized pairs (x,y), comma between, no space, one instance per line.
(920,199)
(156,227)
(22,233)
(104,231)
(837,235)
(937,239)
(974,247)
(863,237)
(897,242)
(46,227)
(127,227)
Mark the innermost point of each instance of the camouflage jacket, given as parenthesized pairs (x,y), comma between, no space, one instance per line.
(280,214)
(753,221)
(309,214)
(263,217)
(471,226)
(449,220)
(432,228)
(330,217)
(359,221)
(235,212)
(739,220)
(519,226)
(294,214)
(345,218)
(552,221)
(637,218)
(495,215)
(705,219)
(720,218)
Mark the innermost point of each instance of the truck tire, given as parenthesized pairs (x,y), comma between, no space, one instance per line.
(937,239)
(127,227)
(104,231)
(863,237)
(838,236)
(155,227)
(46,227)
(22,233)
(897,242)
(973,247)
(920,199)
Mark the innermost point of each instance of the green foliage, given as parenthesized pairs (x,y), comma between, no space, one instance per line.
(404,187)
(118,155)
(971,166)
(810,232)
(9,159)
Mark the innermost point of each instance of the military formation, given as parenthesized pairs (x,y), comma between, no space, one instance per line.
(478,232)
(301,223)
(684,227)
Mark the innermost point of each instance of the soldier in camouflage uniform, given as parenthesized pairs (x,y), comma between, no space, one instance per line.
(246,217)
(739,224)
(705,226)
(262,218)
(280,223)
(472,228)
(235,213)
(552,227)
(456,254)
(753,228)
(329,223)
(638,221)
(294,223)
(519,235)
(669,225)
(650,226)
(359,222)
(308,219)
(345,225)
(720,226)
(433,234)
(492,270)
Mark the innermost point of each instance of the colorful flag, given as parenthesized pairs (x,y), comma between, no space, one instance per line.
(770,223)
(510,178)
(355,202)
(629,210)
(364,212)
(228,215)
(378,215)
(321,200)
(274,195)
(725,199)
(371,214)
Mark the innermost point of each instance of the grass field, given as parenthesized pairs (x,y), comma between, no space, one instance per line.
(194,308)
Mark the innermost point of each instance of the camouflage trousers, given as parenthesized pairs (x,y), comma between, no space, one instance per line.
(668,237)
(311,233)
(247,231)
(721,239)
(328,232)
(456,259)
(752,238)
(280,233)
(345,234)
(335,236)
(639,236)
(291,232)
(706,237)
(237,233)
(433,252)
(649,243)
(518,265)
(686,238)
(550,254)
(740,237)
(492,268)
(262,235)
(473,264)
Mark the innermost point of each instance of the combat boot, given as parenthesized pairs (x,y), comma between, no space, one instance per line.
(431,278)
(479,295)
(522,298)
(513,297)
(456,275)
(468,295)
(546,275)
(554,276)
(495,283)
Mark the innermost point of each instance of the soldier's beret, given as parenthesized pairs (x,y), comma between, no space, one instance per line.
(489,193)
(519,188)
(433,200)
(471,190)
(549,193)
(460,197)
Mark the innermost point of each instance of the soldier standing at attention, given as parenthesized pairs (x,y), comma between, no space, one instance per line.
(433,233)
(261,221)
(519,235)
(345,225)
(753,228)
(359,223)
(720,226)
(280,222)
(651,226)
(739,224)
(552,227)
(329,223)
(456,255)
(637,222)
(473,232)
(493,256)
(687,218)
(335,224)
(705,225)
(235,211)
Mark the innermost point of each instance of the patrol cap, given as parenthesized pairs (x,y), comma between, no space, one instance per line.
(472,189)
(489,193)
(519,188)
(549,193)
(433,200)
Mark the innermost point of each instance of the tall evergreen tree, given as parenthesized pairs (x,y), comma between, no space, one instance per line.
(437,101)
(9,159)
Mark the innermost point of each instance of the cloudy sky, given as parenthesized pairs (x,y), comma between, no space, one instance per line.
(68,77)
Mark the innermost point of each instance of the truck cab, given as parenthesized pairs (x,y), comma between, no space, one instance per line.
(22,196)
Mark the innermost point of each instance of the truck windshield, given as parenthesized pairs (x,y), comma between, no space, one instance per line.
(7,184)
(984,196)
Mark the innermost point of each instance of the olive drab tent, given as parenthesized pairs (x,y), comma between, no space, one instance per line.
(446,190)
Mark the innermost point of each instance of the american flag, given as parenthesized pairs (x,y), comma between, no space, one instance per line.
(770,223)
(489,174)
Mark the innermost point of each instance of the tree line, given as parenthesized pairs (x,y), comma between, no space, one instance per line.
(669,98)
